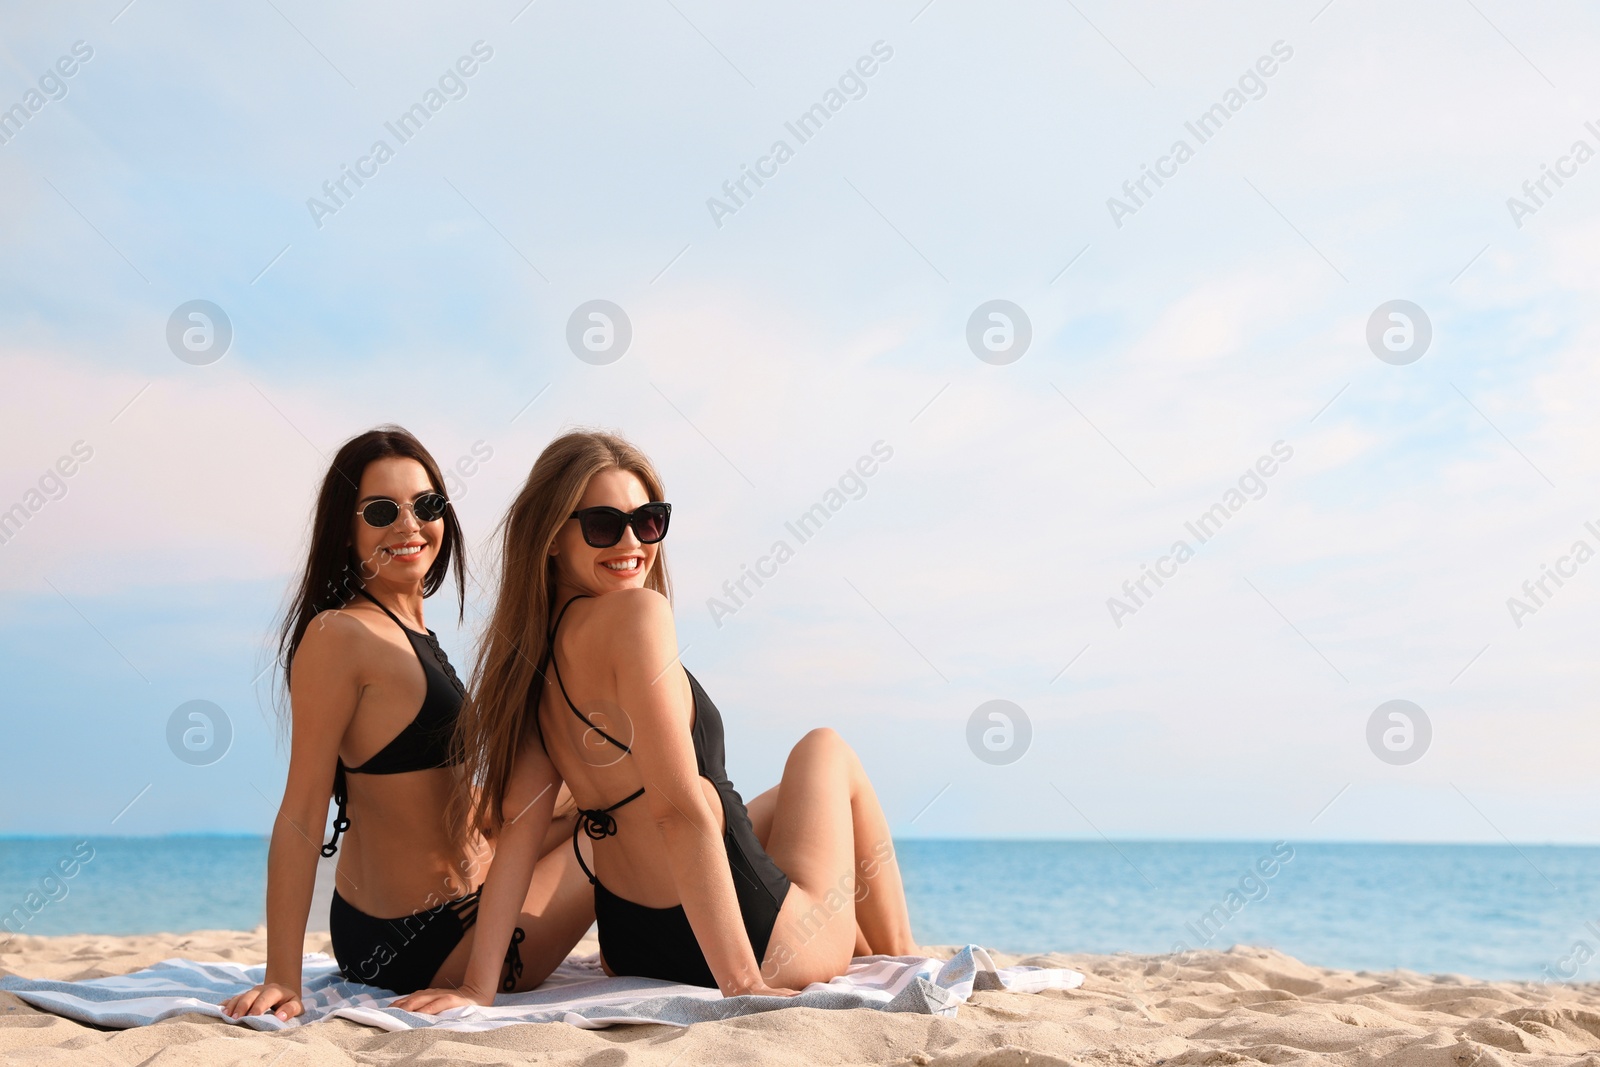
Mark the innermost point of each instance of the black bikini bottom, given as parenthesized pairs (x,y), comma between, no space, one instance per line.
(660,943)
(404,954)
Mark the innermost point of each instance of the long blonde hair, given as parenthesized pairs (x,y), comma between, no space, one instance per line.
(497,714)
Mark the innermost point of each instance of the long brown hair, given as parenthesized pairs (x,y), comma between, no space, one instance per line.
(332,573)
(502,699)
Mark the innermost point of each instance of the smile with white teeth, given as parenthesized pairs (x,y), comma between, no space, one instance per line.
(404,551)
(629,564)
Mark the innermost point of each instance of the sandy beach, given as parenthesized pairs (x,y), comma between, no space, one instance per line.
(1243,1005)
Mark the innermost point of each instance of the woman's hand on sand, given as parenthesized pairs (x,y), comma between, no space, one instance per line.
(267,997)
(434,1001)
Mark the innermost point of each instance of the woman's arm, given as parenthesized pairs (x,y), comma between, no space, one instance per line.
(657,700)
(529,803)
(323,693)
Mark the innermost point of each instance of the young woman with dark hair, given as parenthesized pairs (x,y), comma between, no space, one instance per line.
(373,703)
(687,886)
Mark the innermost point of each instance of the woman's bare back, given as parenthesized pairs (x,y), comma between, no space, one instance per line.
(598,772)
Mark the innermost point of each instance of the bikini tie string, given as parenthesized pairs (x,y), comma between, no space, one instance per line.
(513,962)
(597,823)
(341,820)
(340,825)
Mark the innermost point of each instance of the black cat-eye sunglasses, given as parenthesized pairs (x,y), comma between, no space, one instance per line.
(603,526)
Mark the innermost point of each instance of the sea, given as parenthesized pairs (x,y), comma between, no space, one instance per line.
(1483,911)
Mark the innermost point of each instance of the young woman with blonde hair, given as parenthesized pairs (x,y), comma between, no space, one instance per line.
(689,885)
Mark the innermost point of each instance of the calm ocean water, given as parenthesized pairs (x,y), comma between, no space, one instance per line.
(1486,911)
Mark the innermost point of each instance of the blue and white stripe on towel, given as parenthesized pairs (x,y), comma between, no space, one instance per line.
(578,993)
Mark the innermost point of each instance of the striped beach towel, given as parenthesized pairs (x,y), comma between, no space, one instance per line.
(578,993)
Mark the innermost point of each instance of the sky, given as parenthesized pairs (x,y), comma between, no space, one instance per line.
(918,162)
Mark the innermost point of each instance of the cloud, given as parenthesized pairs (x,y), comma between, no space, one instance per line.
(770,354)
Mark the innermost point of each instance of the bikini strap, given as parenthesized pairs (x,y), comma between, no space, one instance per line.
(551,643)
(536,690)
(362,590)
(563,611)
(598,823)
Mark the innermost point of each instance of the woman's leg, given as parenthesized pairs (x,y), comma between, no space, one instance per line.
(813,838)
(761,809)
(883,925)
(557,912)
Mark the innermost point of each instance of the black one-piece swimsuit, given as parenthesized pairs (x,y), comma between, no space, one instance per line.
(404,953)
(659,942)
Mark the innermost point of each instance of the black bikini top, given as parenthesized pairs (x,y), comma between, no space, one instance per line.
(707,735)
(425,743)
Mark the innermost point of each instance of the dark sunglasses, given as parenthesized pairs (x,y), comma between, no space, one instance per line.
(603,526)
(384,512)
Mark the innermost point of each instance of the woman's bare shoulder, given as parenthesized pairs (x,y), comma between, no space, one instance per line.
(639,607)
(624,622)
(335,641)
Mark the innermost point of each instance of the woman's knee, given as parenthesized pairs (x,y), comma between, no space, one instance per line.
(823,747)
(825,740)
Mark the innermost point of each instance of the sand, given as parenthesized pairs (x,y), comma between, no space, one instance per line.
(1241,1006)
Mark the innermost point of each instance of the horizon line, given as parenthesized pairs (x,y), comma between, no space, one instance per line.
(247,836)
